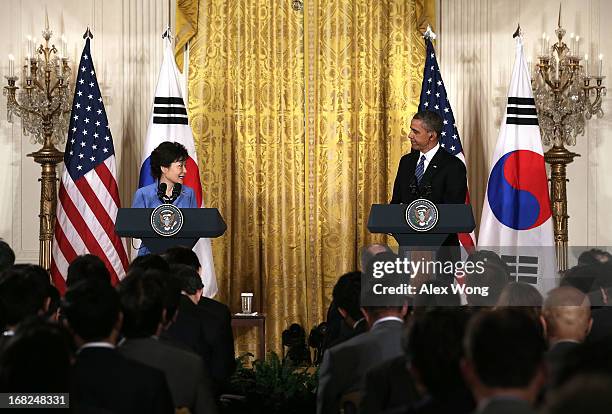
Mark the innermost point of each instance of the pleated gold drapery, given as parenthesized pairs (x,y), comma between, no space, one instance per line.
(300,118)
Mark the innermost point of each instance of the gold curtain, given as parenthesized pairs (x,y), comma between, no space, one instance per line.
(300,119)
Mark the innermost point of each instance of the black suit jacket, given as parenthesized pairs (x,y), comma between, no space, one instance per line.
(444,182)
(388,386)
(205,330)
(105,381)
(188,380)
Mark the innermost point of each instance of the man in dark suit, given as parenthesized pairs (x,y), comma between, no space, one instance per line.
(504,361)
(104,380)
(144,316)
(429,171)
(203,328)
(566,316)
(344,366)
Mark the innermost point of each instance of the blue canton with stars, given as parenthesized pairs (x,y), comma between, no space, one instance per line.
(89,138)
(433,98)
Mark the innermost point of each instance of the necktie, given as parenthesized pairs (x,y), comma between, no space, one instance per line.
(420,169)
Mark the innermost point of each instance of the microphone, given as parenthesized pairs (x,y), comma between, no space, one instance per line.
(176,190)
(161,192)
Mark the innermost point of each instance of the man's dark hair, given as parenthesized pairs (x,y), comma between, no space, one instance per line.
(7,256)
(150,262)
(433,345)
(92,309)
(346,294)
(506,347)
(182,255)
(22,293)
(375,305)
(189,277)
(495,277)
(587,278)
(87,266)
(141,297)
(37,358)
(164,155)
(594,256)
(431,121)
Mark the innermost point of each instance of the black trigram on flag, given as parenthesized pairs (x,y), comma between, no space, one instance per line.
(522,268)
(521,111)
(169,111)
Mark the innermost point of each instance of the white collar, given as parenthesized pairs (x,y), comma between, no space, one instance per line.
(430,154)
(385,319)
(357,323)
(98,344)
(8,332)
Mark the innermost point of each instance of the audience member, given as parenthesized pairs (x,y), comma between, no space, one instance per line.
(594,256)
(87,266)
(344,366)
(522,296)
(37,359)
(120,385)
(495,277)
(585,394)
(504,361)
(150,262)
(217,311)
(434,350)
(7,256)
(346,295)
(203,330)
(144,316)
(22,294)
(566,316)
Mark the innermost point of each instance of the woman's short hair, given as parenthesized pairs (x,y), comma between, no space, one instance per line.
(164,155)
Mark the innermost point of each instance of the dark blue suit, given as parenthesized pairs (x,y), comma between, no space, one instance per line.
(146,197)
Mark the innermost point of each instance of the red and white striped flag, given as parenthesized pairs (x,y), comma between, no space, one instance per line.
(88,196)
(434,98)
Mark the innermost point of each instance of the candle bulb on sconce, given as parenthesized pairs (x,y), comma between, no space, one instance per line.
(572,44)
(586,65)
(577,53)
(600,65)
(543,44)
(11,60)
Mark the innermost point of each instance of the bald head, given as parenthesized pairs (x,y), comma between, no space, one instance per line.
(567,314)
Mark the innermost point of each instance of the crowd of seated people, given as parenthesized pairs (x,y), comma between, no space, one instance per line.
(153,344)
(513,351)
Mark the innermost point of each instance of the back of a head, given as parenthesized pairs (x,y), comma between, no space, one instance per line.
(520,294)
(7,256)
(22,294)
(191,281)
(495,277)
(505,346)
(92,309)
(433,346)
(141,297)
(182,255)
(585,277)
(369,252)
(594,256)
(380,274)
(37,359)
(150,262)
(567,312)
(87,266)
(346,294)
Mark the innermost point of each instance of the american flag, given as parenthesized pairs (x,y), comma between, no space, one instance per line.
(88,195)
(433,98)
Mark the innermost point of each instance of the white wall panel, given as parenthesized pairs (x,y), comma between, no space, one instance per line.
(127,52)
